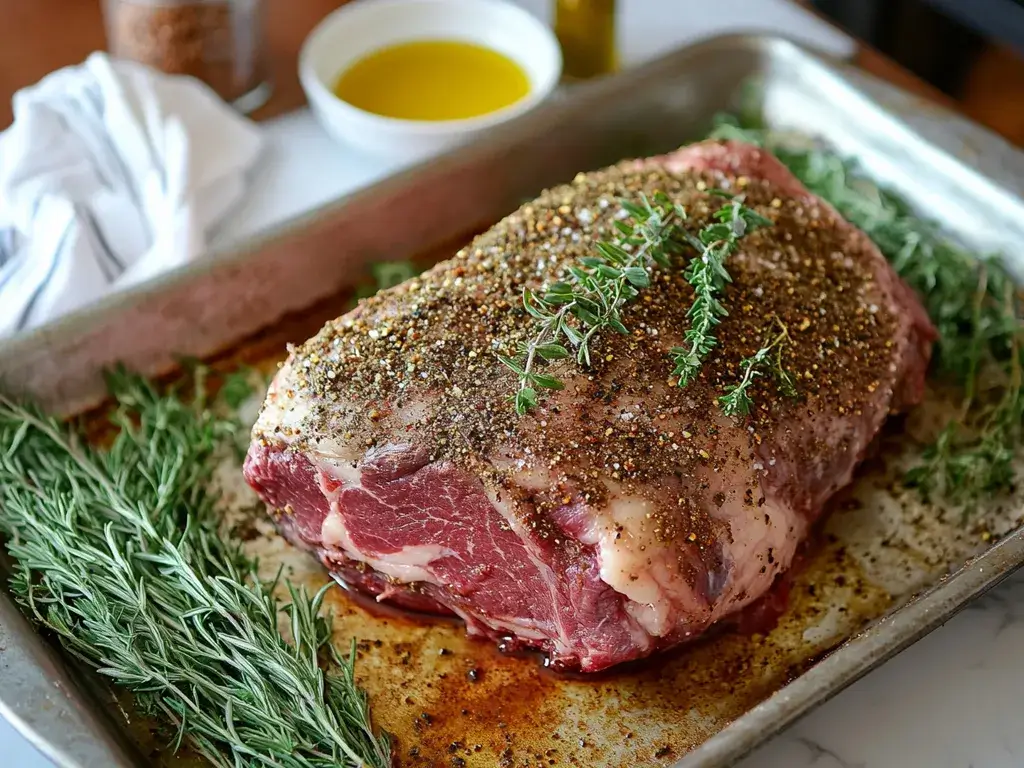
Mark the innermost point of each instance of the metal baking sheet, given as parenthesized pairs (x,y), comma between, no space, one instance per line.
(882,572)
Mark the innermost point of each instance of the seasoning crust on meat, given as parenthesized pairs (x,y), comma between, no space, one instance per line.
(625,513)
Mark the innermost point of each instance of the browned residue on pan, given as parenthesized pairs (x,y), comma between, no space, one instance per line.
(453,702)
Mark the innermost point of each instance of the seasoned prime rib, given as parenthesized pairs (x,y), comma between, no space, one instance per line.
(624,514)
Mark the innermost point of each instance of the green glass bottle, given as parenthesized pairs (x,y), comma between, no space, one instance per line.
(586,31)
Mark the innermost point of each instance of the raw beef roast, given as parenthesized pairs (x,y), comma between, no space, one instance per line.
(625,513)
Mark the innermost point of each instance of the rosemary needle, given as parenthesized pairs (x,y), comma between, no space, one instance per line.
(118,552)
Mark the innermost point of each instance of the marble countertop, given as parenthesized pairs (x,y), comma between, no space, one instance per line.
(950,701)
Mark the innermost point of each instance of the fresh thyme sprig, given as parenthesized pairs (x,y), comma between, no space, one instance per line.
(708,276)
(385,274)
(118,552)
(594,293)
(973,456)
(979,331)
(736,400)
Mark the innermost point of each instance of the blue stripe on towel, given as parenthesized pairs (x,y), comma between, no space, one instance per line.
(11,260)
(98,111)
(101,241)
(11,272)
(54,261)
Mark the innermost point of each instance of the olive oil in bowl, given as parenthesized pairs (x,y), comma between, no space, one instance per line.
(408,79)
(433,80)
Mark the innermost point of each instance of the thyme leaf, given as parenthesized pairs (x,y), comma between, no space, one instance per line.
(118,552)
(708,276)
(597,288)
(594,292)
(736,402)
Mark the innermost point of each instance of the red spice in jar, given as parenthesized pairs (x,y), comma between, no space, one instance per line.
(217,41)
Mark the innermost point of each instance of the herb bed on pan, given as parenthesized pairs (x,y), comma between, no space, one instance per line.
(119,549)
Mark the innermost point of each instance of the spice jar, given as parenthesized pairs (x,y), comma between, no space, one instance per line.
(217,41)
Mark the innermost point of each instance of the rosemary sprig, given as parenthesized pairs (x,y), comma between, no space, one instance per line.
(591,298)
(979,331)
(736,400)
(118,552)
(708,276)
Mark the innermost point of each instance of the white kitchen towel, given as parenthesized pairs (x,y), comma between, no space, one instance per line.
(110,174)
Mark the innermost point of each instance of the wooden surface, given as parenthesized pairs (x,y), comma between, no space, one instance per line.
(39,36)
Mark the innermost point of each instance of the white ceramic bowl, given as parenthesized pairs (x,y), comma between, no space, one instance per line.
(359,28)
